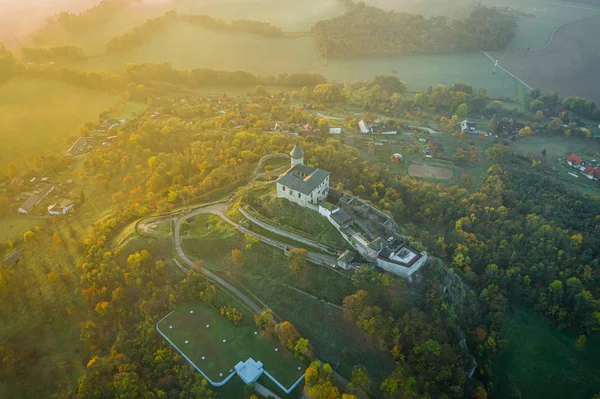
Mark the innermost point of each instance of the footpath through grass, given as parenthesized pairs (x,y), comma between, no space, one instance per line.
(241,344)
(541,362)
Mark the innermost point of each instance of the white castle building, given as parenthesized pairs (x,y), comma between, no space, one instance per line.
(303,184)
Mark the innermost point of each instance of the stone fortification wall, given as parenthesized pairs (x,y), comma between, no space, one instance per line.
(287,234)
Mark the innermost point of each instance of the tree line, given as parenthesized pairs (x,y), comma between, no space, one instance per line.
(137,36)
(60,53)
(239,25)
(366,31)
(92,18)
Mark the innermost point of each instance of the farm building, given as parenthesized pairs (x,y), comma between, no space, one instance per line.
(61,207)
(36,198)
(13,259)
(303,184)
(335,130)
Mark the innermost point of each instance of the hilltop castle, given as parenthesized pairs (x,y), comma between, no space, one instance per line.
(302,184)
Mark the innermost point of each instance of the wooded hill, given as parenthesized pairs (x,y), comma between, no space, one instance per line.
(369,31)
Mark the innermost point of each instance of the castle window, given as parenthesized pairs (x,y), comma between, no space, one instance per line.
(299,196)
(283,188)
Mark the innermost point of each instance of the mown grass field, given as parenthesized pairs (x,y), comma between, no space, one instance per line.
(535,32)
(558,146)
(241,343)
(541,362)
(41,117)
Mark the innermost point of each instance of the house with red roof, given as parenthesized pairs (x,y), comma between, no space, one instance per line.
(592,173)
(576,162)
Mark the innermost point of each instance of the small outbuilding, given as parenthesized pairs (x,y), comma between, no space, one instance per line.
(13,259)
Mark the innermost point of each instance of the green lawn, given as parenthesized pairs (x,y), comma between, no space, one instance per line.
(59,110)
(242,343)
(285,214)
(542,362)
(558,146)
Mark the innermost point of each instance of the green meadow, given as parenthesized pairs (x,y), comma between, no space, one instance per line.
(41,117)
(539,361)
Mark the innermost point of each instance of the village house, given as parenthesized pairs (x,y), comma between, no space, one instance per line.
(576,162)
(302,184)
(592,173)
(41,193)
(364,127)
(466,126)
(61,207)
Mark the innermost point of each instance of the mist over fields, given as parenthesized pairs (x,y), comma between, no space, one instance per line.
(18,18)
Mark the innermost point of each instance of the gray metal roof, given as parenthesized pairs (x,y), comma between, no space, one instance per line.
(303,179)
(13,258)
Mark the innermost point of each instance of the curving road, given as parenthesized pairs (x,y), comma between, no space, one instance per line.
(219,210)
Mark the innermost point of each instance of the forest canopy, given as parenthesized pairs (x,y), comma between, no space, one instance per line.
(369,31)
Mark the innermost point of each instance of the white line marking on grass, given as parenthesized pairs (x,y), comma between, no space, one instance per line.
(507,72)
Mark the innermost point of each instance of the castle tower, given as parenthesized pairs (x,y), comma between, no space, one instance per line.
(297,156)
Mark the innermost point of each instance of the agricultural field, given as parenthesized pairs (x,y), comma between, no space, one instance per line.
(60,110)
(187,329)
(430,172)
(573,55)
(539,361)
(539,18)
(230,51)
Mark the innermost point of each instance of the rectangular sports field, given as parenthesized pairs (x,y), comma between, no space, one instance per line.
(241,344)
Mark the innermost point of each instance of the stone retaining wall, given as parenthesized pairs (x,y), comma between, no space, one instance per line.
(287,234)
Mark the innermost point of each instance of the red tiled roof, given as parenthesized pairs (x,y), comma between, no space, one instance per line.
(575,160)
(588,170)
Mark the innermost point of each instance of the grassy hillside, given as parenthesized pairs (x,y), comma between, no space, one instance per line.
(541,362)
(40,117)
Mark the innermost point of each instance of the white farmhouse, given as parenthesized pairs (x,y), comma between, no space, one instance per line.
(364,127)
(303,184)
(466,126)
(61,207)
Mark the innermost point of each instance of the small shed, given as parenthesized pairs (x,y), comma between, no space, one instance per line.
(13,259)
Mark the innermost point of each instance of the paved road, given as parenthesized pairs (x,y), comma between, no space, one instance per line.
(208,273)
(218,210)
